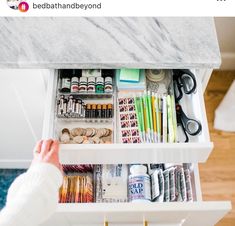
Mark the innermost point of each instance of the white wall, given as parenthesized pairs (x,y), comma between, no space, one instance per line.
(22,98)
(225,27)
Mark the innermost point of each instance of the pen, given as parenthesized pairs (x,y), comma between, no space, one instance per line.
(158,117)
(146,117)
(142,117)
(150,115)
(154,117)
(139,118)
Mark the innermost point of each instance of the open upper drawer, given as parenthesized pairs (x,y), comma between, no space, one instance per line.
(197,150)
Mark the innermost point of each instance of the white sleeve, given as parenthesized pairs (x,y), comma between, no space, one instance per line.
(32,197)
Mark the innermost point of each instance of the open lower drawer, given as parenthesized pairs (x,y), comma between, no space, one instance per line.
(167,213)
(197,150)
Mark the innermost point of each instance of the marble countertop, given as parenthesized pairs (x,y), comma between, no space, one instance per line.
(108,43)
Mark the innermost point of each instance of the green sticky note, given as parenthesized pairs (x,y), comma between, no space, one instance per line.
(129,75)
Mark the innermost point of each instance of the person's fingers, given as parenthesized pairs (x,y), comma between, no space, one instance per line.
(38,146)
(46,146)
(55,147)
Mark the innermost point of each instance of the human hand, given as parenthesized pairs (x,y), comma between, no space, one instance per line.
(47,151)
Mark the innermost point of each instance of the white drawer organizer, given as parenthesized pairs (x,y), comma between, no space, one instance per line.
(174,213)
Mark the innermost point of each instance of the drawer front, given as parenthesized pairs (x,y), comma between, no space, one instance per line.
(186,214)
(197,150)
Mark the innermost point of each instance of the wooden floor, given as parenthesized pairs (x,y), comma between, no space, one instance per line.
(218,173)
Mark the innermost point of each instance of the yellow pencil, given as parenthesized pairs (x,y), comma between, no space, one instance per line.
(154,118)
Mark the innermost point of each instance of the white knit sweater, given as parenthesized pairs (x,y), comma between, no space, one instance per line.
(32,197)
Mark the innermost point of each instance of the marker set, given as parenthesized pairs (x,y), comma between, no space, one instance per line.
(156,117)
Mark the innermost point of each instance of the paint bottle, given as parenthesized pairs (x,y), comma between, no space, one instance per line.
(99,86)
(83,85)
(139,184)
(74,84)
(104,111)
(108,85)
(109,111)
(65,84)
(91,85)
(98,111)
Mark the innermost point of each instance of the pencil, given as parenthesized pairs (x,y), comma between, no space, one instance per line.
(154,118)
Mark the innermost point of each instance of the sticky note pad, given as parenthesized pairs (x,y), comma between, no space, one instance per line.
(129,75)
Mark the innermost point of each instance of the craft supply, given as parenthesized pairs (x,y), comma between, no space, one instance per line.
(104,111)
(155,75)
(74,84)
(65,106)
(154,118)
(109,111)
(172,177)
(114,183)
(171,135)
(91,73)
(70,105)
(155,190)
(83,85)
(188,185)
(98,111)
(88,113)
(99,87)
(129,75)
(149,108)
(126,85)
(77,188)
(138,107)
(93,111)
(146,118)
(91,85)
(65,84)
(166,186)
(61,105)
(129,132)
(139,184)
(183,189)
(108,85)
(161,180)
(164,120)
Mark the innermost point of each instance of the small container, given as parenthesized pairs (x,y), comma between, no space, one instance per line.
(104,111)
(74,84)
(70,104)
(65,84)
(91,85)
(109,111)
(139,184)
(98,111)
(83,85)
(93,111)
(99,87)
(88,111)
(108,85)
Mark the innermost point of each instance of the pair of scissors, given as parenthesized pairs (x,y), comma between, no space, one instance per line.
(184,81)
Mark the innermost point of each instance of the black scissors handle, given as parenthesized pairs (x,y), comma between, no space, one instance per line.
(191,126)
(184,78)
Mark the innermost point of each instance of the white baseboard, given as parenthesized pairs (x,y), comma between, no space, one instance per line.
(228,61)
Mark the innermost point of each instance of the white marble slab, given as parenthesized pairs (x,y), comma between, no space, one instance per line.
(108,43)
